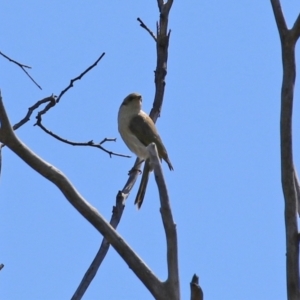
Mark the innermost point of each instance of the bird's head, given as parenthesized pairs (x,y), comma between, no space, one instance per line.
(133,101)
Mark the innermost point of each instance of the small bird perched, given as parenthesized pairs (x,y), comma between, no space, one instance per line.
(138,131)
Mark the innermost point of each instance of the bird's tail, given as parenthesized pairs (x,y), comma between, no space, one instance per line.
(143,185)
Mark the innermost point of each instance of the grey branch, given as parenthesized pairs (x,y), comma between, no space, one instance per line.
(143,25)
(23,67)
(296,28)
(8,137)
(172,282)
(79,77)
(279,18)
(288,41)
(162,45)
(114,221)
(160,73)
(196,291)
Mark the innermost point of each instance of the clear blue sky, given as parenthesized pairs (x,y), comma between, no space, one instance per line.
(219,122)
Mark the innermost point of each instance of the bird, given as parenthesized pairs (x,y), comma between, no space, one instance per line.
(138,131)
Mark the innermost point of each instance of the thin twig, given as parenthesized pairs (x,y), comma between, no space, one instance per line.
(79,77)
(89,143)
(22,66)
(143,25)
(53,100)
(31,109)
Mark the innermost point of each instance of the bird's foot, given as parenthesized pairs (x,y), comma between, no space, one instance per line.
(133,170)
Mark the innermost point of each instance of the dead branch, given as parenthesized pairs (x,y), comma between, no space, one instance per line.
(52,100)
(8,137)
(143,25)
(79,77)
(288,39)
(196,291)
(31,109)
(22,66)
(160,74)
(117,213)
(89,143)
(172,282)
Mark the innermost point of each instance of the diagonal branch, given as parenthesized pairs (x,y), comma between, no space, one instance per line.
(143,25)
(114,221)
(8,137)
(79,77)
(279,18)
(89,143)
(50,99)
(296,28)
(22,66)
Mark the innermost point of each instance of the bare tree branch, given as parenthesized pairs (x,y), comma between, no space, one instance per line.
(8,137)
(143,25)
(288,173)
(1,266)
(79,77)
(162,46)
(172,282)
(279,18)
(160,74)
(89,143)
(114,221)
(196,291)
(22,66)
(50,99)
(296,28)
(160,4)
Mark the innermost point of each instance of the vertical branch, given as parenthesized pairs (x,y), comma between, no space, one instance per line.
(288,40)
(196,291)
(162,44)
(171,285)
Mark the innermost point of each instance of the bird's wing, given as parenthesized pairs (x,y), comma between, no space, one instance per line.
(146,133)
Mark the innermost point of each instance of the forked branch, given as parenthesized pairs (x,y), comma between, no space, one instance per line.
(288,38)
(8,137)
(23,67)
